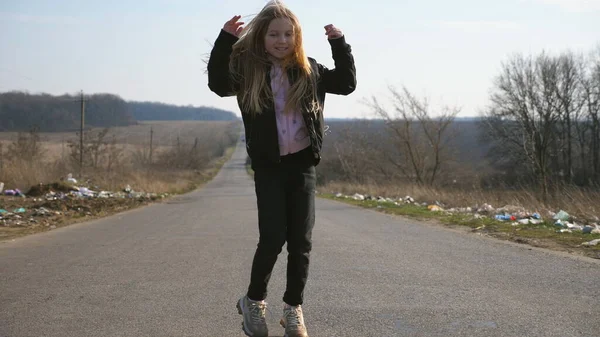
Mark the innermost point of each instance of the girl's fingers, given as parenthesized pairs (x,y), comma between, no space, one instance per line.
(233,26)
(234,19)
(330,29)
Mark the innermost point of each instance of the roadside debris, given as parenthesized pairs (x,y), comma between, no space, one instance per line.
(516,215)
(51,204)
(591,243)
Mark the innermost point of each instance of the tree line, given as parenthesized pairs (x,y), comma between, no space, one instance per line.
(22,111)
(161,111)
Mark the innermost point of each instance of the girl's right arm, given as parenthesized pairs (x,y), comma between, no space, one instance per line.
(219,78)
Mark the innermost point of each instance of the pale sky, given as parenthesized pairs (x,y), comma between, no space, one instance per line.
(153,50)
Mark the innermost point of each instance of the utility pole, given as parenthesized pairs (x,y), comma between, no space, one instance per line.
(151,136)
(82,100)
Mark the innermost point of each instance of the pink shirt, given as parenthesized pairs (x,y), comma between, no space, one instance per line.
(293,134)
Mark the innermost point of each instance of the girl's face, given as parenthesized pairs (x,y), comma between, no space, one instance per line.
(279,41)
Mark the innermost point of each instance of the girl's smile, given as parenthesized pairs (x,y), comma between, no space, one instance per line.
(280,40)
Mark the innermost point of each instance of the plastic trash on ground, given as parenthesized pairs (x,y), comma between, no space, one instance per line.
(505,217)
(485,208)
(562,215)
(358,197)
(591,243)
(71,179)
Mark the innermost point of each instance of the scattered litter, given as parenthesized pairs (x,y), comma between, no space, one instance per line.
(485,209)
(562,215)
(71,179)
(574,226)
(16,193)
(45,202)
(435,208)
(358,197)
(42,211)
(516,215)
(505,217)
(591,243)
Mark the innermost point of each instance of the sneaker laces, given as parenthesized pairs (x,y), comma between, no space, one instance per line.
(292,317)
(258,312)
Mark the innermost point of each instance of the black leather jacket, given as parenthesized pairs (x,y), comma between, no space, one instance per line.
(262,143)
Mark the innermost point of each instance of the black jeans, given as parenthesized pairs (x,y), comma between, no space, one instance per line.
(286,212)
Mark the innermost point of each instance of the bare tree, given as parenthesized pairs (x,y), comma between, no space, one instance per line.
(420,139)
(95,148)
(114,154)
(568,91)
(523,113)
(26,148)
(591,105)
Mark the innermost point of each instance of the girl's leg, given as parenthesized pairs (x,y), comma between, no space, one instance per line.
(271,200)
(300,199)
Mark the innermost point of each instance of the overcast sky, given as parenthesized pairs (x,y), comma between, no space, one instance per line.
(449,51)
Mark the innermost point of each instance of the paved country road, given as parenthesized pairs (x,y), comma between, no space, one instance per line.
(177,268)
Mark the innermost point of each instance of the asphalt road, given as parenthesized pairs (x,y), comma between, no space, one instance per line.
(178,267)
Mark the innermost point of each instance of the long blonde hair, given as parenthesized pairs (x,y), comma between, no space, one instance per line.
(249,63)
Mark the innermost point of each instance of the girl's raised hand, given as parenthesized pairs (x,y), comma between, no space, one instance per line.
(332,32)
(233,27)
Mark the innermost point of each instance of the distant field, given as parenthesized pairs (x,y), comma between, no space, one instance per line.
(212,138)
(132,137)
(165,132)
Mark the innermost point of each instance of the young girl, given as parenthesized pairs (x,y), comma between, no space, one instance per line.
(280,92)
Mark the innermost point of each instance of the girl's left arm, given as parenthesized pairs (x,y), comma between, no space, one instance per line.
(342,79)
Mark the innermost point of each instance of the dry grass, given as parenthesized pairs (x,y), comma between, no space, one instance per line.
(571,199)
(162,175)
